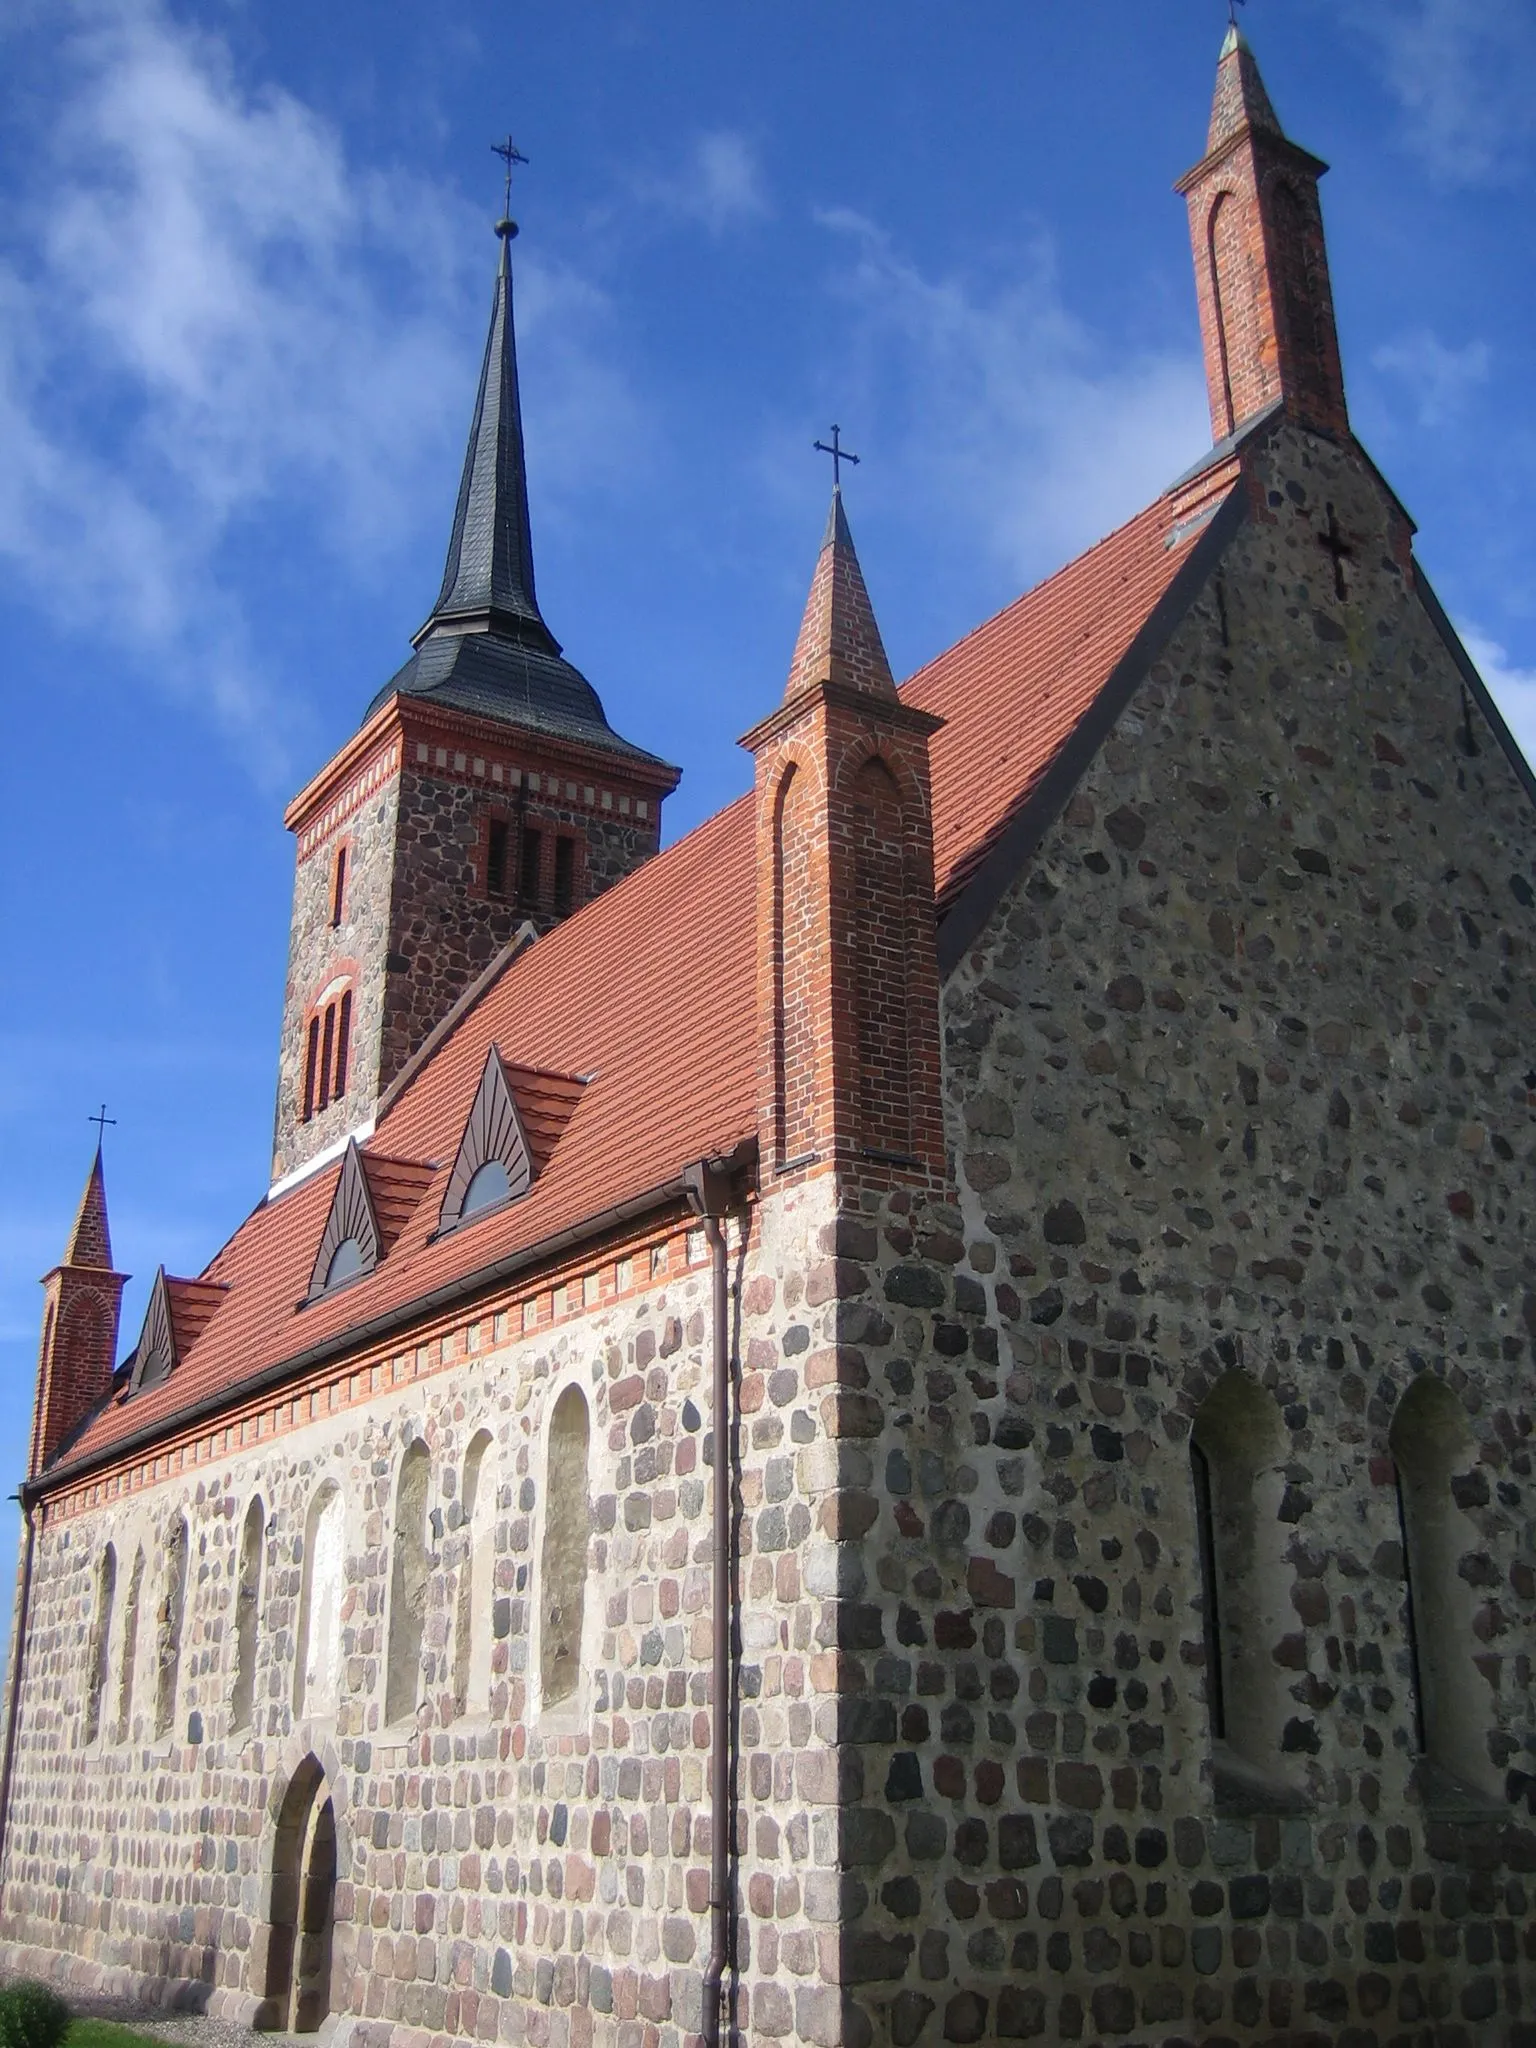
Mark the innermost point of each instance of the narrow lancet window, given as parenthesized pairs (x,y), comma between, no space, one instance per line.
(1435,1457)
(339,886)
(168,1633)
(563,1566)
(130,1648)
(472,1621)
(408,1586)
(1237,1484)
(101,1641)
(247,1612)
(317,1666)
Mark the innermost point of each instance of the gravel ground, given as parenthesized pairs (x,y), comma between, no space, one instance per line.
(183,2029)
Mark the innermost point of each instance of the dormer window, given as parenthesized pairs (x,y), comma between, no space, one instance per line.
(491,1184)
(327,1051)
(347,1261)
(350,1242)
(494,1165)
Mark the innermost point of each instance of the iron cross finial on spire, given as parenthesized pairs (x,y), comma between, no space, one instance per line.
(839,455)
(510,154)
(1232,7)
(101,1120)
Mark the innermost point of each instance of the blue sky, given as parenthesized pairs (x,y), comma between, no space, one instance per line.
(245,270)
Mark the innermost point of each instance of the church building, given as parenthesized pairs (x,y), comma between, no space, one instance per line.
(907,1421)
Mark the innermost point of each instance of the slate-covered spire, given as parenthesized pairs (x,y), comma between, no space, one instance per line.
(1261,262)
(839,641)
(488,576)
(90,1243)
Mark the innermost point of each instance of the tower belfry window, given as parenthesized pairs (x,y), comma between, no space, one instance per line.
(528,873)
(327,1054)
(496,858)
(565,875)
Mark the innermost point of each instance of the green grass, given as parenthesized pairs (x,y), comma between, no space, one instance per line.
(107,2034)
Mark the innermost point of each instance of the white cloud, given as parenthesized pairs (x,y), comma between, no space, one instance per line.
(1513,688)
(218,320)
(1034,435)
(721,184)
(1438,378)
(1464,72)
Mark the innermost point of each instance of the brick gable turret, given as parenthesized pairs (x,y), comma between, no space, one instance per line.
(1261,262)
(847,967)
(82,1303)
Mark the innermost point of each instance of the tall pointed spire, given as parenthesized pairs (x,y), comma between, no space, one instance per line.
(90,1243)
(1261,262)
(488,576)
(839,641)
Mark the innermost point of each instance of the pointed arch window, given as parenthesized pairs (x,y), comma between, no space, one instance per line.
(494,1164)
(473,1634)
(1237,1483)
(563,1565)
(168,1632)
(408,1586)
(101,1641)
(327,1052)
(1435,1458)
(317,1665)
(130,1648)
(349,1244)
(247,1611)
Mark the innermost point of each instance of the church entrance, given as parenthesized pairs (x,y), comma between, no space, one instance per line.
(298,1978)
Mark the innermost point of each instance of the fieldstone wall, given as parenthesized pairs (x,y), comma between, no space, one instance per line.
(318,951)
(532,1872)
(1238,1078)
(444,927)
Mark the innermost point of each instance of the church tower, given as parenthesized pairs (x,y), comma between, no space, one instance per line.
(847,971)
(1261,264)
(81,1304)
(485,792)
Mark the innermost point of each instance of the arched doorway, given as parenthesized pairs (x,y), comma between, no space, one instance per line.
(297,1993)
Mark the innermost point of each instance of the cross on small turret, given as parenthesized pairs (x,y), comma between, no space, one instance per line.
(838,453)
(1333,543)
(510,154)
(101,1120)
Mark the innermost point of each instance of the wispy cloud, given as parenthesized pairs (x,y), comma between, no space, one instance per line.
(1035,435)
(1437,379)
(216,320)
(720,185)
(1464,73)
(1513,688)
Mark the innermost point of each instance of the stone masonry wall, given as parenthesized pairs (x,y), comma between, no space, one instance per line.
(444,927)
(1238,1080)
(524,1874)
(317,951)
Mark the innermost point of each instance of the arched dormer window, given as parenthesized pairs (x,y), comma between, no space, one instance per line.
(494,1164)
(327,1050)
(349,1244)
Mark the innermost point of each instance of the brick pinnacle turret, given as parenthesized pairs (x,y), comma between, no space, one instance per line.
(1261,262)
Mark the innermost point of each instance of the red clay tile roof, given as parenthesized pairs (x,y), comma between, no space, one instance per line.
(648,995)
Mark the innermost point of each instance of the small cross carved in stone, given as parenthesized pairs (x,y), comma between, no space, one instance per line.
(1333,543)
